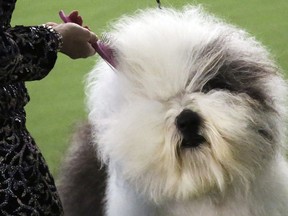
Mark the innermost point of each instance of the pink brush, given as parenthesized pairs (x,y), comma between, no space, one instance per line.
(100,47)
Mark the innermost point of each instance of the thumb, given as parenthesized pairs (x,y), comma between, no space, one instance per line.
(93,38)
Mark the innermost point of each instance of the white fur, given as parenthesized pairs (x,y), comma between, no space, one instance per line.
(133,110)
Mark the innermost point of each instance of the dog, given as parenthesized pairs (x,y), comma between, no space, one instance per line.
(187,117)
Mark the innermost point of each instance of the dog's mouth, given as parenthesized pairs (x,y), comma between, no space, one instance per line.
(192,141)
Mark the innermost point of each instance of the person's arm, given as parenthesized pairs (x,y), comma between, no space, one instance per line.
(27,53)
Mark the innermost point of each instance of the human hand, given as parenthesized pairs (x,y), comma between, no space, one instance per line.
(77,40)
(101,48)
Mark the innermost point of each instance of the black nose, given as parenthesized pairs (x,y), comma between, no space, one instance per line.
(188,123)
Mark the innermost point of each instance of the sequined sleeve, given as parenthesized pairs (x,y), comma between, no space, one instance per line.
(26,53)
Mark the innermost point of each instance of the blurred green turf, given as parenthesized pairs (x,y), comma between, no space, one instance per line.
(57,102)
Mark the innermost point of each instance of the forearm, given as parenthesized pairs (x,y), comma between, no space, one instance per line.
(26,53)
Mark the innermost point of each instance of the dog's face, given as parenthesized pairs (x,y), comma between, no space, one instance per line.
(193,105)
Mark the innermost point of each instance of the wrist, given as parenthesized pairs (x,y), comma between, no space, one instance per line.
(57,36)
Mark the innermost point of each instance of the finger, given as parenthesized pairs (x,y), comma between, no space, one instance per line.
(90,51)
(93,38)
(87,35)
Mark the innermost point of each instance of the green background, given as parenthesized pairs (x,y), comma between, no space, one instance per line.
(57,102)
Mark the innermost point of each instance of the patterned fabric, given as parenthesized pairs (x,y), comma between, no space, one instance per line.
(26,53)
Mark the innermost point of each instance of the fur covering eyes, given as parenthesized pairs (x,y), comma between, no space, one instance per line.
(191,121)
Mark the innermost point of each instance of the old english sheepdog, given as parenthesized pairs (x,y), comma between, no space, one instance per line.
(187,115)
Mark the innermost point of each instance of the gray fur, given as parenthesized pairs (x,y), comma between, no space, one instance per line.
(82,177)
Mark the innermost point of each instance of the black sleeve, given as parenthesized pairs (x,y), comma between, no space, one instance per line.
(26,53)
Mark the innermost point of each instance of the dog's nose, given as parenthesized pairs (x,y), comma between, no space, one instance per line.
(188,123)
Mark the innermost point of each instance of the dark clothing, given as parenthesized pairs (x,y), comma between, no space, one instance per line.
(26,53)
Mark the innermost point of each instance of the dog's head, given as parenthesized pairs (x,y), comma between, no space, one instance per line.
(193,105)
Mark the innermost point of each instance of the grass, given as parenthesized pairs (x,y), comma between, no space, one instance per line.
(57,102)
